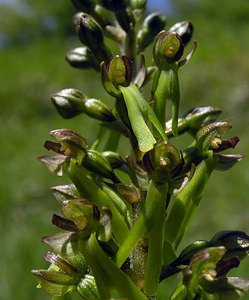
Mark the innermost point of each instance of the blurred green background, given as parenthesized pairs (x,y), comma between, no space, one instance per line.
(34,37)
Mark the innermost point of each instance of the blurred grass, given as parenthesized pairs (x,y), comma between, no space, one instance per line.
(216,75)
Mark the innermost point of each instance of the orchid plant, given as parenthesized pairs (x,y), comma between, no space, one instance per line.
(124,215)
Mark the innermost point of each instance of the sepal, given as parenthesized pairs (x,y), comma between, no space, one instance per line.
(225,162)
(66,244)
(56,164)
(60,278)
(71,143)
(65,192)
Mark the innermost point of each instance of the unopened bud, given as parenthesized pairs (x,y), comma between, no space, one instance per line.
(122,12)
(194,119)
(104,16)
(89,31)
(97,109)
(125,19)
(91,35)
(82,58)
(200,116)
(152,25)
(68,102)
(95,162)
(184,29)
(236,242)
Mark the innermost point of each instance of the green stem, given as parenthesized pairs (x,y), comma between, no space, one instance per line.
(154,201)
(112,141)
(100,137)
(128,245)
(155,208)
(130,46)
(187,201)
(160,87)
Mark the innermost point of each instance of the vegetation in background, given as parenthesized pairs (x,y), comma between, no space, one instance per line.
(31,71)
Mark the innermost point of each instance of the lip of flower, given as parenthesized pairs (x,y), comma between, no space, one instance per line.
(120,70)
